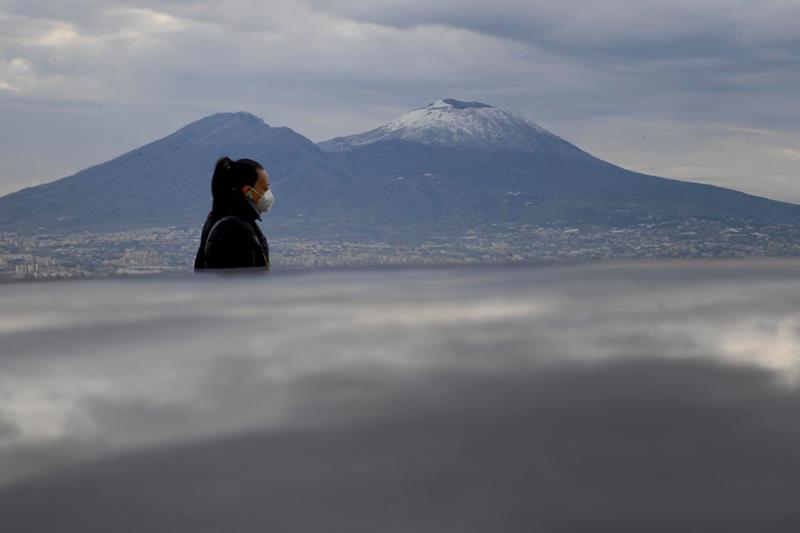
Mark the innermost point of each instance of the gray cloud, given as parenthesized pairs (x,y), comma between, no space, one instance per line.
(644,29)
(329,69)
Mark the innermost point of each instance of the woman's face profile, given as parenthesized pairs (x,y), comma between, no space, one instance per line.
(262,182)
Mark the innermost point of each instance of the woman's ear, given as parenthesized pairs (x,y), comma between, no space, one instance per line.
(247,191)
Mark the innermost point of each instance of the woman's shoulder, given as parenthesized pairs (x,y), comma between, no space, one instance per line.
(231,226)
(232,243)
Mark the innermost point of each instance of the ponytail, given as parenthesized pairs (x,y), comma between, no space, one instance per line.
(220,179)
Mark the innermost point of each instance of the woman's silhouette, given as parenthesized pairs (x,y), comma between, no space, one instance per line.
(231,238)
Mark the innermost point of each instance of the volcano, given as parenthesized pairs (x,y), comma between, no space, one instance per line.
(452,163)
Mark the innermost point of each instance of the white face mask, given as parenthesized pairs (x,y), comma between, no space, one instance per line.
(265,202)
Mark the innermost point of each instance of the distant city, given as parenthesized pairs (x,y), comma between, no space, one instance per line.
(169,249)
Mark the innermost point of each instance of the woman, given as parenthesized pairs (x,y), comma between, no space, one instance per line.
(231,238)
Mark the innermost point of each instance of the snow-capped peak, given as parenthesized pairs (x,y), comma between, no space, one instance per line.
(454,123)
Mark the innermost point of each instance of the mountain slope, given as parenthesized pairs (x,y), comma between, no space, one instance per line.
(479,162)
(464,165)
(167,182)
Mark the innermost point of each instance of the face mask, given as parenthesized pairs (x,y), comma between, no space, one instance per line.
(265,202)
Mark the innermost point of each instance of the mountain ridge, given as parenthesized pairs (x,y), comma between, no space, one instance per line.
(392,177)
(130,190)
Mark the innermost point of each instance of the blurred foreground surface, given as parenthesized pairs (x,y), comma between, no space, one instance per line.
(627,397)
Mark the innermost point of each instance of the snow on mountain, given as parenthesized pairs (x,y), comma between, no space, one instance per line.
(451,162)
(454,123)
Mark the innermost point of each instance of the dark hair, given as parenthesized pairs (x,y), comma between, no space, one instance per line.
(228,179)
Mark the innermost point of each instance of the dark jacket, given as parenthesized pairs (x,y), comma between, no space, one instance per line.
(232,239)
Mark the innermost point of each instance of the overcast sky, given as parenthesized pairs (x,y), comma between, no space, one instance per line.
(704,90)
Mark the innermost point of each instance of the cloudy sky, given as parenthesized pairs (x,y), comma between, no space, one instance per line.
(702,90)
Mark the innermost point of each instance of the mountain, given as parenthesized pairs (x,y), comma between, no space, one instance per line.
(474,162)
(167,182)
(452,164)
